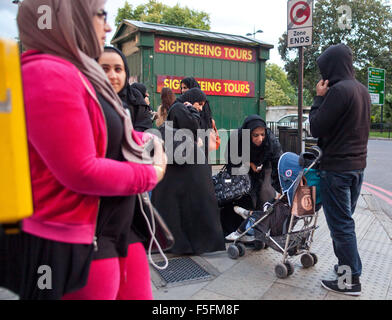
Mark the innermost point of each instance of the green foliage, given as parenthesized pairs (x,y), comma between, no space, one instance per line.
(277,74)
(285,92)
(274,95)
(157,12)
(387,111)
(370,39)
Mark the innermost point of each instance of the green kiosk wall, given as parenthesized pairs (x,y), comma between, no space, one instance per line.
(230,68)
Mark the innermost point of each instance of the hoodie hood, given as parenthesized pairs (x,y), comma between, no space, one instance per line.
(336,64)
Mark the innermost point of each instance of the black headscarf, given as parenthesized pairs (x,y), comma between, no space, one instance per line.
(193,95)
(205,114)
(190,83)
(140,87)
(139,91)
(129,94)
(251,123)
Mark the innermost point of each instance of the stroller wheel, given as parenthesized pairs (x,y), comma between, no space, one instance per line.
(259,245)
(281,271)
(290,268)
(315,259)
(233,252)
(307,260)
(241,249)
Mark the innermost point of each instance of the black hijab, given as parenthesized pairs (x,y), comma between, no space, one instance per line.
(139,91)
(141,87)
(129,94)
(193,95)
(190,83)
(205,114)
(251,123)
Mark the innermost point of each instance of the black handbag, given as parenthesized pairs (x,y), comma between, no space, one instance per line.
(229,188)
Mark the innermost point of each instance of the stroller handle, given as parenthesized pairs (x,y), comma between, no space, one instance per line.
(319,152)
(318,155)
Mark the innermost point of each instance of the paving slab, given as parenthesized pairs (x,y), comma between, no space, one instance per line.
(252,277)
(243,286)
(280,291)
(209,295)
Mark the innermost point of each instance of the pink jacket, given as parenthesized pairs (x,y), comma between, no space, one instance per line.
(67,144)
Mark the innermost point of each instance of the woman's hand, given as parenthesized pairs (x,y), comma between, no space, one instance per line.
(198,107)
(255,168)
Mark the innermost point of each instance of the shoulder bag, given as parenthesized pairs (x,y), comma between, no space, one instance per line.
(230,187)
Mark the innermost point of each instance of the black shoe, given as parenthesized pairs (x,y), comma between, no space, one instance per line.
(351,290)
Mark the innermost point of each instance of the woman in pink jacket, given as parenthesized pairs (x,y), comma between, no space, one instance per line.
(86,162)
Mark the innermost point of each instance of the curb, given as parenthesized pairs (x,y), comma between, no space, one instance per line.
(380,215)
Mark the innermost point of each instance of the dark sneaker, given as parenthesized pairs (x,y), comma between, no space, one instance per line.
(351,290)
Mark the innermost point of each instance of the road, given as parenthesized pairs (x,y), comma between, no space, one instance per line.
(378,174)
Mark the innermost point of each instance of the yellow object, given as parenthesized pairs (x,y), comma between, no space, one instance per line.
(15,185)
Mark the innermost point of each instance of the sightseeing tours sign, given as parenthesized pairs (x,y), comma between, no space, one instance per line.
(211,87)
(204,50)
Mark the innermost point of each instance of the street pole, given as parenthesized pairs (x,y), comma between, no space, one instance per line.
(300,97)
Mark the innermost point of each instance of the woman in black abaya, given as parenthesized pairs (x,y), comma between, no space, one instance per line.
(205,114)
(265,151)
(185,197)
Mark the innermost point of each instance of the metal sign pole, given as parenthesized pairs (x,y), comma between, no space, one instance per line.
(300,97)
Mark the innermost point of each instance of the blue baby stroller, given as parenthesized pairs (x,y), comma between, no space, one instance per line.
(275,227)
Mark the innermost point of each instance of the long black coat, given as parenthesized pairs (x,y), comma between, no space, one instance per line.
(185,197)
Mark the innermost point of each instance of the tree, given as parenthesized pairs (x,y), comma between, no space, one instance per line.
(157,12)
(279,76)
(370,39)
(274,95)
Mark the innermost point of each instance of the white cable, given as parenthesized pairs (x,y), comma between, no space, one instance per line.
(144,197)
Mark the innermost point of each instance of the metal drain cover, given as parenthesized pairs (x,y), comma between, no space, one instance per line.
(182,270)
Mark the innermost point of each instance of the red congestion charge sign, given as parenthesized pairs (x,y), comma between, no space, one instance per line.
(300,13)
(211,87)
(204,50)
(299,23)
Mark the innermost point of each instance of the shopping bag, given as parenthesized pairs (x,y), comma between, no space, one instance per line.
(304,200)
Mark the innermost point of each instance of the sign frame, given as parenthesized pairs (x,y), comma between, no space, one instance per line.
(373,84)
(300,32)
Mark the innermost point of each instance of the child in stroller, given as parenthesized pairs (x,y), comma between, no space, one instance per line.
(273,226)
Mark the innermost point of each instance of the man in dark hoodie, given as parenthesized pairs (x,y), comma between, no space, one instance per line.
(340,118)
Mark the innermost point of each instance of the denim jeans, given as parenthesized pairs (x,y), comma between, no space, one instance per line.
(339,193)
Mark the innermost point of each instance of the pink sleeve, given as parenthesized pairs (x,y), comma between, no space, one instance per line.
(60,130)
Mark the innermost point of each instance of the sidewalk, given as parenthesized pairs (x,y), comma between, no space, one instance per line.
(252,276)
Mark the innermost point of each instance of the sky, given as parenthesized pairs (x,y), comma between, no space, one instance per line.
(226,16)
(237,17)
